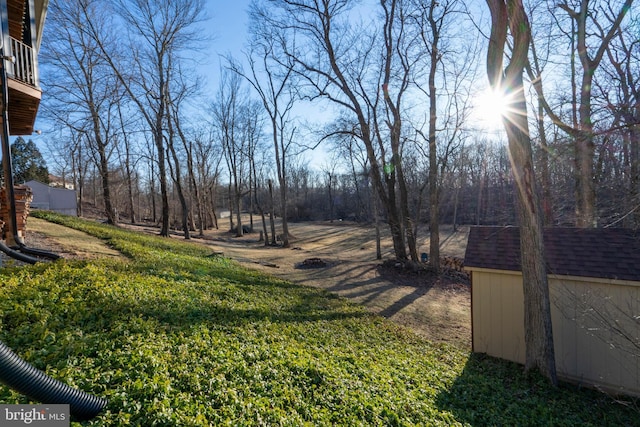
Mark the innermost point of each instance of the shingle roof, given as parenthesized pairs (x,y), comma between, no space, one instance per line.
(611,253)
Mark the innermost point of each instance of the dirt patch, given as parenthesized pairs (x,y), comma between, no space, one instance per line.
(63,241)
(341,258)
(66,241)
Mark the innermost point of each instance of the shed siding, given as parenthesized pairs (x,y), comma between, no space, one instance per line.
(498,315)
(56,199)
(595,326)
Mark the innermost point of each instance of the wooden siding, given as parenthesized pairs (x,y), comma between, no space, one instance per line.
(16,9)
(595,325)
(24,101)
(22,73)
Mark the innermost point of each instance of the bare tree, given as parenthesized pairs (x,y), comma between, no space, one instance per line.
(176,171)
(509,17)
(258,157)
(273,81)
(66,149)
(539,60)
(129,163)
(187,145)
(339,61)
(83,91)
(440,26)
(232,118)
(351,154)
(207,156)
(622,97)
(589,37)
(330,177)
(590,60)
(159,32)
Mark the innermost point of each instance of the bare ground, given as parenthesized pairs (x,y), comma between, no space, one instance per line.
(339,257)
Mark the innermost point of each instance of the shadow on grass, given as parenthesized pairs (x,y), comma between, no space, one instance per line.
(218,306)
(491,391)
(309,307)
(128,298)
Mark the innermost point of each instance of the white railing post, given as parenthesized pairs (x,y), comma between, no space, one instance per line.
(23,68)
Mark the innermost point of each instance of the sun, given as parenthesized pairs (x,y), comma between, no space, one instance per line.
(489,108)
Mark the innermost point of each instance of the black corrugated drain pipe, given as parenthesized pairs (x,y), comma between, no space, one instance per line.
(17,255)
(35,384)
(15,372)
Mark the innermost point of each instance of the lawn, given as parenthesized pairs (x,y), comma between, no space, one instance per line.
(176,337)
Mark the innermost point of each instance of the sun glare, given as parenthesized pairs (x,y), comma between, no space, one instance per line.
(489,108)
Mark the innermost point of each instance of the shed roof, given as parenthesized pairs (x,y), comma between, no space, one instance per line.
(611,253)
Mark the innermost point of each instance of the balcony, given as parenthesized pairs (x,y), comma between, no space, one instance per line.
(24,69)
(24,92)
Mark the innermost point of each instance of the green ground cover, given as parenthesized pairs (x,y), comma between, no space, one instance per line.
(176,337)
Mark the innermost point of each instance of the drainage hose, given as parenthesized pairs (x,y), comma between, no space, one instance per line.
(17,255)
(34,251)
(35,384)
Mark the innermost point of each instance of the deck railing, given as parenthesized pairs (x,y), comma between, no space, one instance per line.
(24,68)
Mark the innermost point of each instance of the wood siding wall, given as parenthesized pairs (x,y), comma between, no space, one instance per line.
(596,326)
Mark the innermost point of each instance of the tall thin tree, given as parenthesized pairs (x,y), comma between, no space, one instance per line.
(508,16)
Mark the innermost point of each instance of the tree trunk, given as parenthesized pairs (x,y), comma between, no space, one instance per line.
(214,216)
(271,214)
(237,197)
(152,191)
(388,200)
(635,173)
(537,308)
(280,152)
(283,207)
(128,171)
(231,208)
(409,229)
(376,220)
(177,179)
(434,193)
(188,147)
(584,157)
(80,182)
(547,201)
(132,211)
(103,167)
(162,175)
(539,351)
(106,190)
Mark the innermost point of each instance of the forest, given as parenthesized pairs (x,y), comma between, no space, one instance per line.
(401,129)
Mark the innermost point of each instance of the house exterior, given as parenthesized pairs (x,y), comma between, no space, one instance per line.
(59,200)
(59,182)
(594,286)
(22,23)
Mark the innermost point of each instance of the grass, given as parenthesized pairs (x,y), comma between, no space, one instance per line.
(176,337)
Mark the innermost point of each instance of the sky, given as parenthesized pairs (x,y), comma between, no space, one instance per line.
(227,26)
(228,23)
(228,20)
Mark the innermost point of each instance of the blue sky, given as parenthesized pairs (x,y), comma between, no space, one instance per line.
(228,25)
(229,21)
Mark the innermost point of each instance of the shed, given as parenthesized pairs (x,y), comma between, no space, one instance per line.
(594,287)
(59,200)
